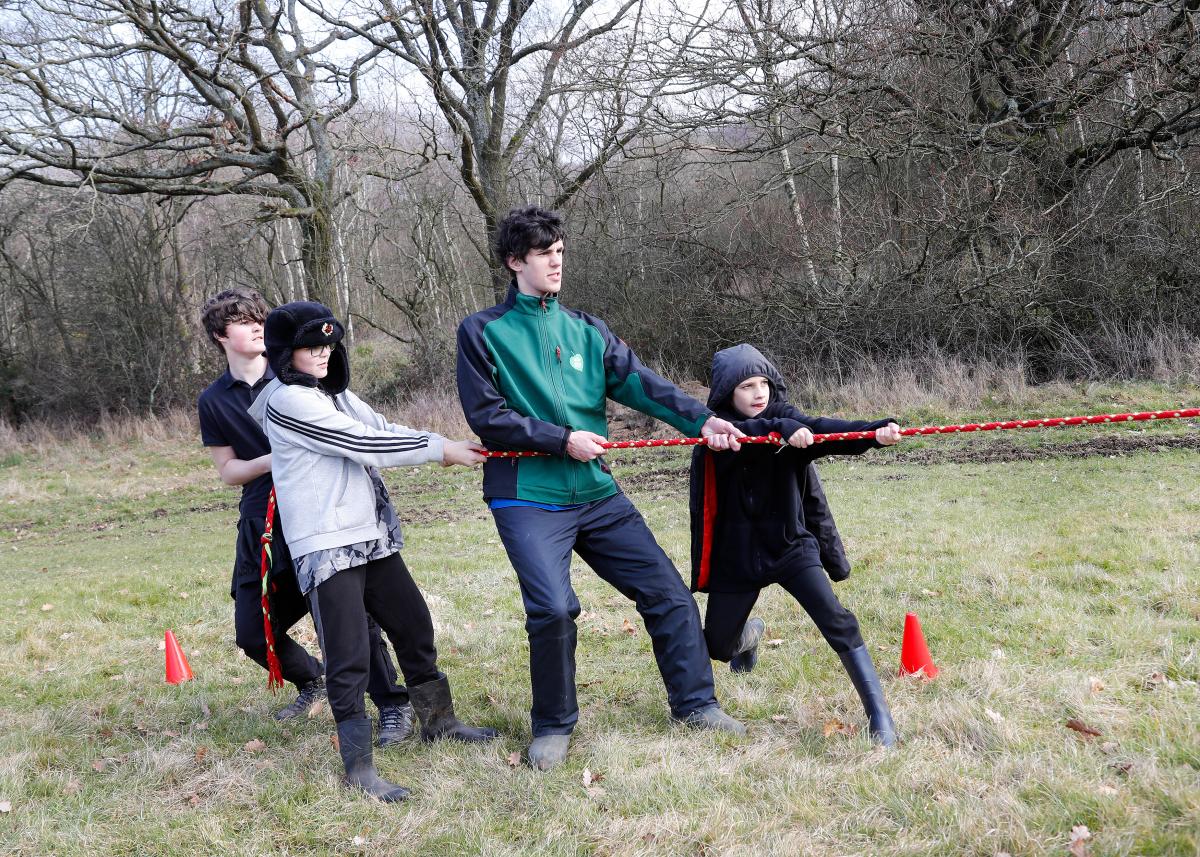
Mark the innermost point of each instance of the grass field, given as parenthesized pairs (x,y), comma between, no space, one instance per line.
(1056,574)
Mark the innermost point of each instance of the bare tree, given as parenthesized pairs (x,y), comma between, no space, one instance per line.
(182,98)
(496,72)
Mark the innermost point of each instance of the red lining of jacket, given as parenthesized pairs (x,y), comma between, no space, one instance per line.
(710,515)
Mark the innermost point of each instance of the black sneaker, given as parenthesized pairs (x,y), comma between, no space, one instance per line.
(395,724)
(309,695)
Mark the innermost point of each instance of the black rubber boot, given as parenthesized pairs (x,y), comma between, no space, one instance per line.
(746,655)
(866,681)
(435,710)
(354,743)
(395,724)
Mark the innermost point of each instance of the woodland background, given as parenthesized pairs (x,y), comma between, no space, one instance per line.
(987,184)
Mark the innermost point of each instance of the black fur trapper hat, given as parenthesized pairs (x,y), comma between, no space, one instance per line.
(305,324)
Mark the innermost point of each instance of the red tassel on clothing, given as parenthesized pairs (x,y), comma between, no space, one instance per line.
(709,516)
(274,669)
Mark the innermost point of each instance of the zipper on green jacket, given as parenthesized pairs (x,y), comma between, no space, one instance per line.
(556,384)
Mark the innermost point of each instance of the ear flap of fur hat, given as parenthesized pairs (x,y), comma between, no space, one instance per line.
(306,324)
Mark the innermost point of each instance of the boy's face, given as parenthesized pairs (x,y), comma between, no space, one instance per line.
(313,361)
(540,272)
(751,396)
(243,337)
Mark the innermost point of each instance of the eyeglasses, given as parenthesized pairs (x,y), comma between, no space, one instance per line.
(319,350)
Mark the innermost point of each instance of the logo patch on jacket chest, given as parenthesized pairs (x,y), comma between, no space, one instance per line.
(576,362)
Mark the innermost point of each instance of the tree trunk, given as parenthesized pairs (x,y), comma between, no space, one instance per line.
(319,253)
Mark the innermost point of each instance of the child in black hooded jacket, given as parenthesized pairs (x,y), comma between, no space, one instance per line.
(758,518)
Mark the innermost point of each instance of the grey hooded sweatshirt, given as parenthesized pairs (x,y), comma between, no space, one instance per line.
(321,449)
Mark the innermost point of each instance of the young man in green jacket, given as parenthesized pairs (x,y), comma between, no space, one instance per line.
(533,375)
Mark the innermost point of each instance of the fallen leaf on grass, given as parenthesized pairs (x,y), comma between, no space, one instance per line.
(201,752)
(837,727)
(1122,766)
(589,778)
(1083,729)
(1079,841)
(47,608)
(98,765)
(318,708)
(628,627)
(774,644)
(254,745)
(930,593)
(779,718)
(514,759)
(333,739)
(358,840)
(1108,748)
(1156,680)
(5,806)
(162,645)
(995,716)
(1094,684)
(66,636)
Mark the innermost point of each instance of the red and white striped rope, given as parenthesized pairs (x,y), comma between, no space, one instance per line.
(1005,425)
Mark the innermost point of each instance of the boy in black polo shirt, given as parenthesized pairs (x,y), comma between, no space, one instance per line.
(233,322)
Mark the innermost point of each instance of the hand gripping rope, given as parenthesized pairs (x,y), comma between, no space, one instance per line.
(274,669)
(776,438)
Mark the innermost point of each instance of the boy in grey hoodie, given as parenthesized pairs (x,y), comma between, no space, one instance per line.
(345,539)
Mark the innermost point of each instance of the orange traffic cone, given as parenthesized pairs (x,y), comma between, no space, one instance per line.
(178,670)
(914,654)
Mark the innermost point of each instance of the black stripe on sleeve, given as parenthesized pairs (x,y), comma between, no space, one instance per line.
(345,440)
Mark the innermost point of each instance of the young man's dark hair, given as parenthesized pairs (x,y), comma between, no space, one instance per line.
(527,228)
(236,304)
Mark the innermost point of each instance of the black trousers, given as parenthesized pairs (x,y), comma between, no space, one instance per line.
(341,609)
(610,536)
(288,607)
(728,611)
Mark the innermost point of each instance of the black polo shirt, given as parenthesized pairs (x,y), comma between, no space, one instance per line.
(224,421)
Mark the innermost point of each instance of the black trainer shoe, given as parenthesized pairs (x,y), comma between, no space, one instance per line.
(309,695)
(395,724)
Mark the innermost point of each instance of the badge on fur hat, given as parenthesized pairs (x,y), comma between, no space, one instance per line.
(327,329)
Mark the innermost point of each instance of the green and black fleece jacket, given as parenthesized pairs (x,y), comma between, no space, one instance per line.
(530,372)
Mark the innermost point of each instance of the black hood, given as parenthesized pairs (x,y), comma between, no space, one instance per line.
(732,366)
(304,324)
